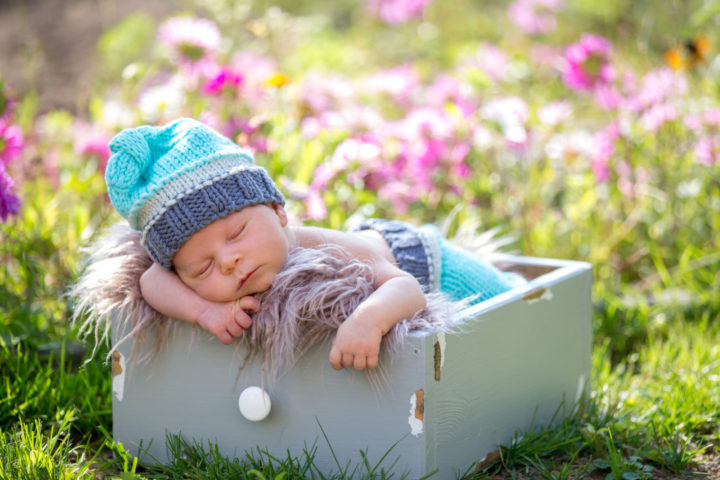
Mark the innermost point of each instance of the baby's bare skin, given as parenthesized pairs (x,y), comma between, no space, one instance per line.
(220,267)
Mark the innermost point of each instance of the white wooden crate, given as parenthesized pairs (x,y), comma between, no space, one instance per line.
(449,399)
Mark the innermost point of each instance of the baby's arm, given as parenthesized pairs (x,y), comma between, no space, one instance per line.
(357,343)
(164,291)
(397,296)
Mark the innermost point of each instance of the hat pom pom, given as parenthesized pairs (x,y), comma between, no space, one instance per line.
(131,157)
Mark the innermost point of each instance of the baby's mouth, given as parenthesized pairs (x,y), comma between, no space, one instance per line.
(244,279)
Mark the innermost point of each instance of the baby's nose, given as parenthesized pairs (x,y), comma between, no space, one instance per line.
(230,261)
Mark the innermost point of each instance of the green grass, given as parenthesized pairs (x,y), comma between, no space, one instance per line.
(656,412)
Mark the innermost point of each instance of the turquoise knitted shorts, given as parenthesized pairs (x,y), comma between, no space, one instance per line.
(440,265)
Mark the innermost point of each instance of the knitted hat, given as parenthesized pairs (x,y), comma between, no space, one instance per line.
(169,182)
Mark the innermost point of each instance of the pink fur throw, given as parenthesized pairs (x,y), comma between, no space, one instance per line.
(310,297)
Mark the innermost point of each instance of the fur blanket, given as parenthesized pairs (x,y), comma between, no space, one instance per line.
(310,297)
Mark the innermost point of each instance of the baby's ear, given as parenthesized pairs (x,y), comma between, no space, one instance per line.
(281,213)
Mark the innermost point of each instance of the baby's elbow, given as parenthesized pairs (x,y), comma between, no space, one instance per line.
(147,280)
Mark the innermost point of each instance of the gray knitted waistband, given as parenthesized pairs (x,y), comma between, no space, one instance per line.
(412,249)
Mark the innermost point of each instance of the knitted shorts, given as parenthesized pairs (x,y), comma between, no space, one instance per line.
(440,265)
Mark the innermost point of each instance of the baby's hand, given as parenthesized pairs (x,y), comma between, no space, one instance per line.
(228,320)
(357,344)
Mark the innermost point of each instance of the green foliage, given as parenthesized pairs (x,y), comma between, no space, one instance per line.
(124,43)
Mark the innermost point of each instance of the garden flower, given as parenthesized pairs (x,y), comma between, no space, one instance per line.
(315,207)
(587,63)
(277,80)
(9,203)
(224,78)
(395,12)
(11,142)
(535,16)
(446,88)
(654,117)
(510,114)
(192,41)
(162,101)
(607,97)
(699,122)
(602,151)
(493,61)
(398,83)
(707,150)
(568,146)
(321,91)
(93,143)
(554,113)
(657,86)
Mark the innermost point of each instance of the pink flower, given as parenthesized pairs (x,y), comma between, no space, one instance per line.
(654,117)
(607,97)
(323,91)
(315,207)
(535,16)
(707,150)
(222,79)
(192,41)
(395,12)
(700,122)
(94,143)
(11,142)
(657,86)
(493,61)
(602,151)
(587,63)
(399,83)
(446,88)
(9,203)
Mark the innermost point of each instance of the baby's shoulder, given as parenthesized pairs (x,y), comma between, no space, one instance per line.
(362,244)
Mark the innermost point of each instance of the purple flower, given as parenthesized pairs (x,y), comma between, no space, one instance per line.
(11,142)
(535,16)
(192,41)
(707,150)
(9,203)
(587,63)
(395,12)
(223,78)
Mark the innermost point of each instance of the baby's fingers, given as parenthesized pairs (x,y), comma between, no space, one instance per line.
(224,337)
(336,359)
(234,329)
(249,303)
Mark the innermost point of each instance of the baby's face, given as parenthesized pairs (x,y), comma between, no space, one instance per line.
(237,255)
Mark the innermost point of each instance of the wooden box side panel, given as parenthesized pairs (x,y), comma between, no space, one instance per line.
(193,389)
(508,369)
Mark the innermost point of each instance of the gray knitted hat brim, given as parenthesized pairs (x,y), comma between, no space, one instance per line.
(189,214)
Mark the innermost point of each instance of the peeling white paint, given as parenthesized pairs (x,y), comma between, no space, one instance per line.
(416,425)
(118,381)
(442,343)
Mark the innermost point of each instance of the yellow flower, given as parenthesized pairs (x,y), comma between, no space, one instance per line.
(277,80)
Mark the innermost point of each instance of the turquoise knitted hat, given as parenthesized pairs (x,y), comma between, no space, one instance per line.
(171,181)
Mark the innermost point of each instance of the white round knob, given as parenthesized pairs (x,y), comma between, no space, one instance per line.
(254,403)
